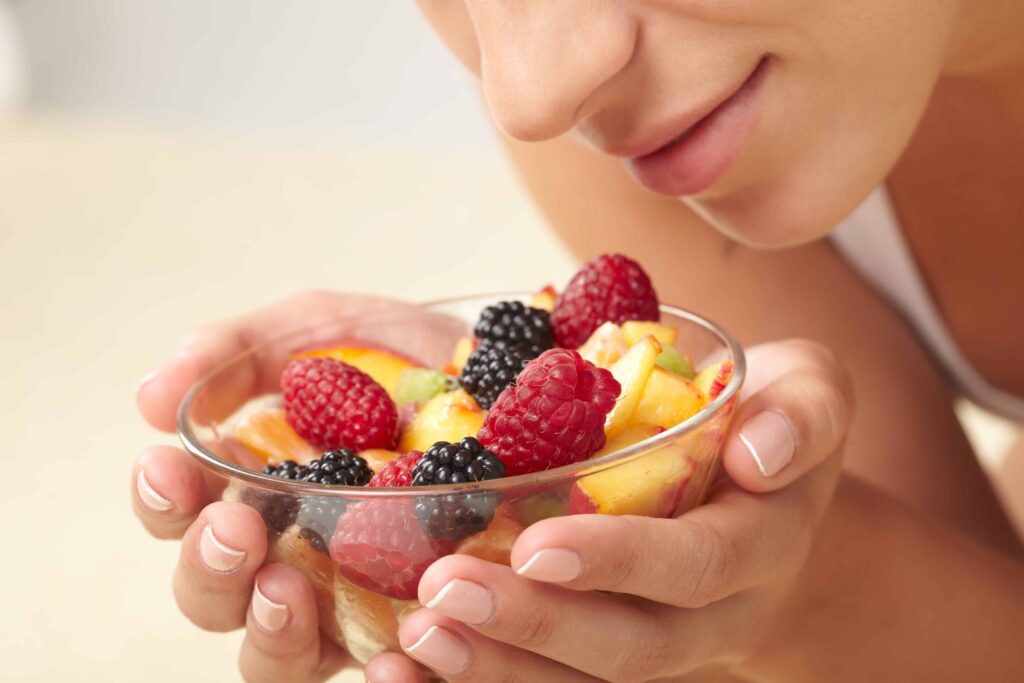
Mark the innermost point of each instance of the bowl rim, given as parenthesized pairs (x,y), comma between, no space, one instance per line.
(194,446)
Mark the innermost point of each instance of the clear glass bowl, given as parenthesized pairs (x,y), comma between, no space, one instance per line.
(664,475)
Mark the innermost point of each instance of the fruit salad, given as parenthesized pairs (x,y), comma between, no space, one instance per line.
(401,464)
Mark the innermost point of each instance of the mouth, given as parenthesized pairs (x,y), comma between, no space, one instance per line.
(693,159)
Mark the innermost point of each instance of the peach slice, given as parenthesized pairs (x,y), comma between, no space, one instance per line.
(605,345)
(376,458)
(294,549)
(632,371)
(668,399)
(463,348)
(446,417)
(650,484)
(544,299)
(494,544)
(712,380)
(382,365)
(268,434)
(635,330)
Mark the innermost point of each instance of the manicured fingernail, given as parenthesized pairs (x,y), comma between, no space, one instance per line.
(216,555)
(149,496)
(464,601)
(771,441)
(442,651)
(145,380)
(271,616)
(553,565)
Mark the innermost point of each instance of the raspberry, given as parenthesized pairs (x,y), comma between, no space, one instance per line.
(490,369)
(609,288)
(398,472)
(334,405)
(339,468)
(552,416)
(511,323)
(462,514)
(380,545)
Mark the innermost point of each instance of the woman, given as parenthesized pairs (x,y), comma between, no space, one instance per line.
(772,122)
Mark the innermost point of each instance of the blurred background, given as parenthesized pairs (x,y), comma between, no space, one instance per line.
(162,165)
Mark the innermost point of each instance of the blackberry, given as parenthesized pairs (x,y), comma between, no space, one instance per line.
(318,518)
(457,516)
(277,509)
(489,370)
(339,468)
(512,324)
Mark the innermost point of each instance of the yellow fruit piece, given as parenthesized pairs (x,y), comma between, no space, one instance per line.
(494,544)
(446,417)
(383,366)
(668,399)
(376,458)
(270,436)
(605,345)
(544,299)
(632,371)
(711,381)
(650,485)
(463,347)
(635,330)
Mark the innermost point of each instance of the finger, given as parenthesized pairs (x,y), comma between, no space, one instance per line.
(459,654)
(794,420)
(392,667)
(169,489)
(220,554)
(589,631)
(326,317)
(282,638)
(736,541)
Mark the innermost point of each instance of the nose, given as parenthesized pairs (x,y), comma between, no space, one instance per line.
(543,62)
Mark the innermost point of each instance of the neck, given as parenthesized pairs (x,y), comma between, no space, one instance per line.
(988,38)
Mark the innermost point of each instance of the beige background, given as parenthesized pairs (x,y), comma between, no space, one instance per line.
(175,163)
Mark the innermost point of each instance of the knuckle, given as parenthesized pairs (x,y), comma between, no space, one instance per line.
(536,632)
(831,403)
(626,565)
(710,557)
(649,657)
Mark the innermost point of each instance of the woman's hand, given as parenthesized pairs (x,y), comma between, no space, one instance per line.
(707,588)
(221,582)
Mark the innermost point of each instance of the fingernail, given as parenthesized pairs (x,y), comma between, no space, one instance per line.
(146,380)
(464,601)
(553,565)
(271,616)
(149,496)
(771,442)
(216,555)
(441,650)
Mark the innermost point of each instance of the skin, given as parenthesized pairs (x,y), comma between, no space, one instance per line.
(776,576)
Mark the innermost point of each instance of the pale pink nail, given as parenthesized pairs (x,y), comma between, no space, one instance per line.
(770,439)
(216,555)
(146,380)
(442,651)
(271,616)
(149,495)
(464,601)
(552,565)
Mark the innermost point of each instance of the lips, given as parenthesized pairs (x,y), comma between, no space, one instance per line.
(703,149)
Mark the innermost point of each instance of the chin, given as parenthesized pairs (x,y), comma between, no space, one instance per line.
(778,215)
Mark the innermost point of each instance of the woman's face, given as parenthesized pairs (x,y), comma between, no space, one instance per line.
(773,118)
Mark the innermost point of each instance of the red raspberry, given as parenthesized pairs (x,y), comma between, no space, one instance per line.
(380,545)
(398,472)
(552,416)
(609,288)
(334,405)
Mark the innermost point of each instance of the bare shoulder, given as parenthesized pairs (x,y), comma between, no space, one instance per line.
(905,439)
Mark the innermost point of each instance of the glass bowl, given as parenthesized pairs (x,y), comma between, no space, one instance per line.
(365,574)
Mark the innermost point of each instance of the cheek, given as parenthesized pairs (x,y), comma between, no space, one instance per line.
(835,120)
